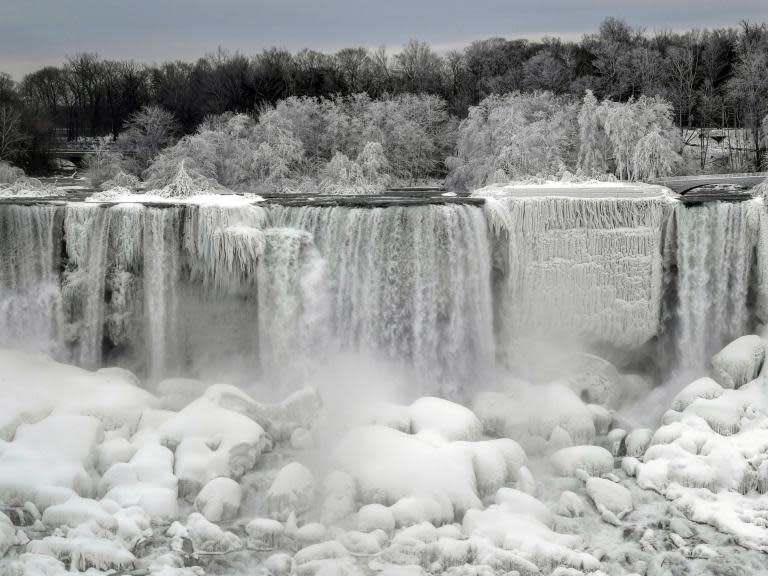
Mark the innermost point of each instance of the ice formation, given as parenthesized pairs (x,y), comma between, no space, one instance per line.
(228,451)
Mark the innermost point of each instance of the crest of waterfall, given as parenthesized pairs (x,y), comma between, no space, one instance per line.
(715,253)
(293,304)
(30,296)
(411,283)
(576,271)
(162,275)
(86,231)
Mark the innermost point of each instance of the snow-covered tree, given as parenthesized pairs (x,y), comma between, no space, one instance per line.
(591,138)
(146,133)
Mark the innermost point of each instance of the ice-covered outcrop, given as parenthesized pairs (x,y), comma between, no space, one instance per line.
(740,361)
(577,268)
(291,492)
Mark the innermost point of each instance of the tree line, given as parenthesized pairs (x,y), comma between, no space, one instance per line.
(712,78)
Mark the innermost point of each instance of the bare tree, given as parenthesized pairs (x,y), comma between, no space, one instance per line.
(11,135)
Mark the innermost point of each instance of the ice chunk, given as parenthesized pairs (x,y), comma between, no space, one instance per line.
(570,505)
(389,465)
(452,421)
(593,460)
(292,491)
(702,388)
(219,499)
(612,500)
(207,537)
(375,517)
(739,362)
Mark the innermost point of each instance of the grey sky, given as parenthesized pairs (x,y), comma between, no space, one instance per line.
(38,32)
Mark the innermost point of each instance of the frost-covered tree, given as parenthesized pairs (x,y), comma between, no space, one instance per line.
(591,138)
(146,133)
(104,163)
(519,135)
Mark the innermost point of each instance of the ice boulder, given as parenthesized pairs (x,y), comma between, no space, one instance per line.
(236,439)
(375,517)
(739,362)
(535,411)
(7,534)
(207,537)
(219,499)
(702,388)
(389,465)
(292,491)
(452,421)
(264,534)
(594,460)
(612,500)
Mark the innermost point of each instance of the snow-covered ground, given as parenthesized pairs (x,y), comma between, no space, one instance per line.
(97,473)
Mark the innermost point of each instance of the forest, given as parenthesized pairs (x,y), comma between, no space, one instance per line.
(622,102)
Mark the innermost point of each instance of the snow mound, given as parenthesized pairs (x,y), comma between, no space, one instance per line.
(535,411)
(389,465)
(452,421)
(236,441)
(702,388)
(209,538)
(292,491)
(739,362)
(612,500)
(219,499)
(594,460)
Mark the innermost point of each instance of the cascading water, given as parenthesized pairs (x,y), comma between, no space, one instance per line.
(162,274)
(30,296)
(715,248)
(410,283)
(86,230)
(256,291)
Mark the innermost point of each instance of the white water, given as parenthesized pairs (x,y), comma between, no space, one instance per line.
(446,290)
(30,299)
(411,284)
(715,248)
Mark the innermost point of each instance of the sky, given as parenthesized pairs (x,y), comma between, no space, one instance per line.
(34,33)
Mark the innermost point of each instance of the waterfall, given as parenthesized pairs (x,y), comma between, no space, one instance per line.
(30,296)
(410,283)
(162,273)
(293,304)
(715,255)
(86,229)
(576,273)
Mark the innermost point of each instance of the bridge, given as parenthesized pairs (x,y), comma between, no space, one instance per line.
(684,184)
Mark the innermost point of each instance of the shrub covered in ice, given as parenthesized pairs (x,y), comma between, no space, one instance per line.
(85,551)
(739,362)
(264,533)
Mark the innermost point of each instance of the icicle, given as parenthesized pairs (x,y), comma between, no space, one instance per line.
(578,270)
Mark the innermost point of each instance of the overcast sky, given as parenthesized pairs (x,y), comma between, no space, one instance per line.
(38,32)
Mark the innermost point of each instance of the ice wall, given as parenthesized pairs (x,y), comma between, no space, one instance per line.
(576,272)
(409,283)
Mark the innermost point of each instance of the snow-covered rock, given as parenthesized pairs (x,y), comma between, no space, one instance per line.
(612,500)
(264,533)
(219,499)
(594,460)
(375,517)
(292,491)
(452,421)
(739,362)
(207,537)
